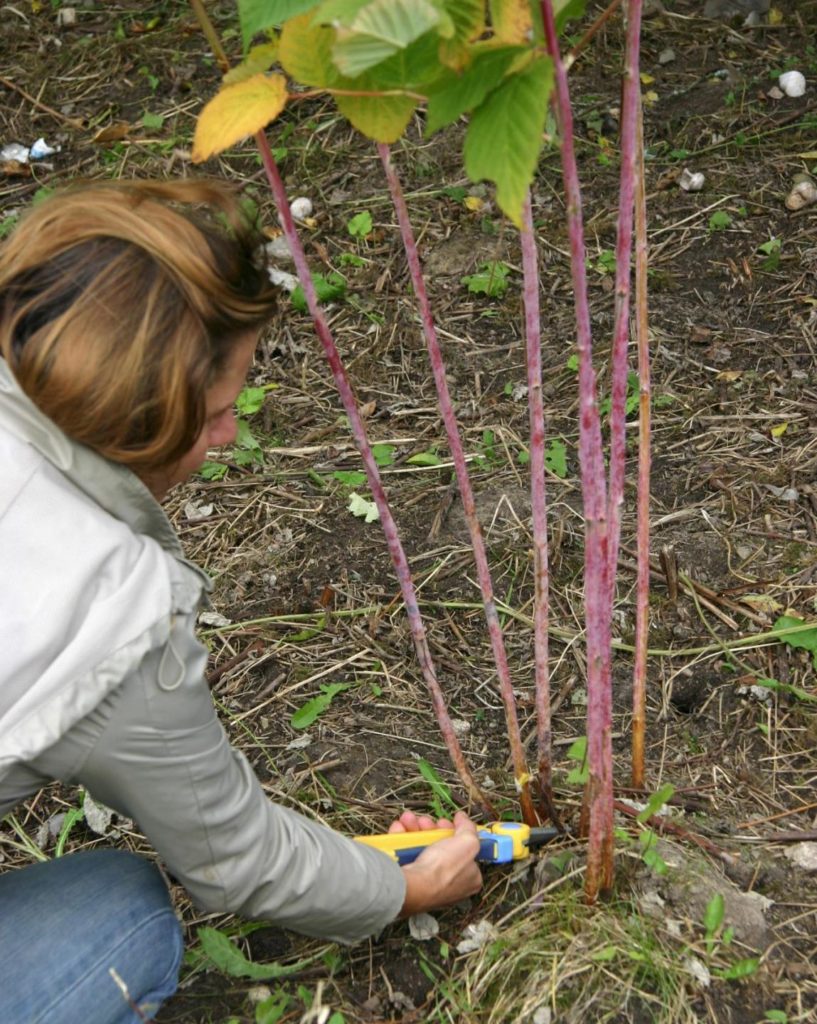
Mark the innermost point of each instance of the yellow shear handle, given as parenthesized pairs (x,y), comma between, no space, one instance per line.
(500,842)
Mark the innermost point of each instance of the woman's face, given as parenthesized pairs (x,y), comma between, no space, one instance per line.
(220,424)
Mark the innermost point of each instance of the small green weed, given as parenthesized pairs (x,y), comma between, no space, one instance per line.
(442,803)
(314,708)
(807,639)
(153,122)
(771,251)
(360,226)
(329,287)
(491,279)
(719,221)
(605,262)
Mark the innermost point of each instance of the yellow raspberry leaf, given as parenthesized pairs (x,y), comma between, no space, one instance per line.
(238,111)
(511,20)
(780,429)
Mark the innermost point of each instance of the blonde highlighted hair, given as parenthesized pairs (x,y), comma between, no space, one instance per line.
(119,306)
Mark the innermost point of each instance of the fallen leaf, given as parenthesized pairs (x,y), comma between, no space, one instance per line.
(113,132)
(14,169)
(762,602)
(780,429)
(729,375)
(363,508)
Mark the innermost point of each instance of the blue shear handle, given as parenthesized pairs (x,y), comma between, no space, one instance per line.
(493,849)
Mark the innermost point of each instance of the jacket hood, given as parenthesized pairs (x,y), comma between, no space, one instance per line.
(114,488)
(93,575)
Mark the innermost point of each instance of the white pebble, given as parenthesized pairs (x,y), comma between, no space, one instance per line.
(691,181)
(804,193)
(301,208)
(792,83)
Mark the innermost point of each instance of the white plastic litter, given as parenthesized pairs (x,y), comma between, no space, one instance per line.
(214,619)
(97,816)
(476,936)
(196,512)
(699,971)
(22,154)
(40,150)
(423,927)
(301,208)
(759,693)
(14,151)
(691,181)
(793,83)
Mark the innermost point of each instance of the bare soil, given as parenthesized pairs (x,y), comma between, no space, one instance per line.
(307,591)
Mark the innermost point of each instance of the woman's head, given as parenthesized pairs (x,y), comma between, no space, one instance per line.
(122,305)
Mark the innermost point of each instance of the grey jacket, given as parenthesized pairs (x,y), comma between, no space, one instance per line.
(102,684)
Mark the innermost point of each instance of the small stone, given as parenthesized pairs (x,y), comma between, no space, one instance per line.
(804,855)
(804,193)
(214,619)
(258,993)
(66,17)
(775,93)
(666,56)
(301,208)
(461,727)
(289,282)
(278,249)
(195,513)
(793,83)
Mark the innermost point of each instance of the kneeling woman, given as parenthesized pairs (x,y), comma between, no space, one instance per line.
(128,321)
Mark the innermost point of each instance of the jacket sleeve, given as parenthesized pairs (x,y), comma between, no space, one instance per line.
(155,751)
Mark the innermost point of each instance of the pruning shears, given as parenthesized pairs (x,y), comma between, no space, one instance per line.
(499,843)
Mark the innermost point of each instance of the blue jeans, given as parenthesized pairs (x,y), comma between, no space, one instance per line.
(65,922)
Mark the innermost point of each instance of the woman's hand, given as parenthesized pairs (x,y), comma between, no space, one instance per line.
(446,871)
